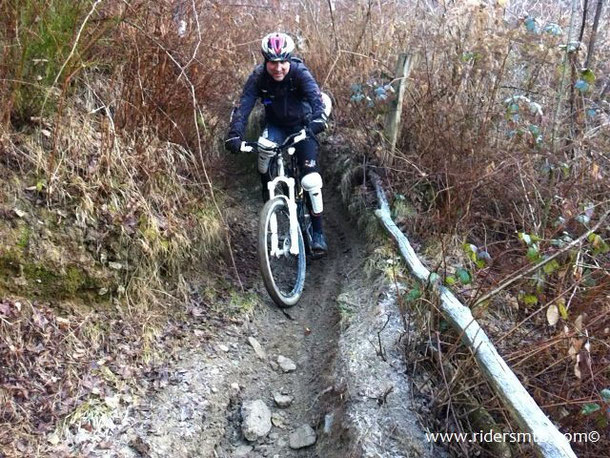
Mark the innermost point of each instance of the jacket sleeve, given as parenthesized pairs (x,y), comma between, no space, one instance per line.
(241,113)
(313,96)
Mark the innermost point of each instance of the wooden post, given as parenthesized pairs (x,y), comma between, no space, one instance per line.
(404,65)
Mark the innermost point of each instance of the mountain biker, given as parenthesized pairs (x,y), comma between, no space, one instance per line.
(292,101)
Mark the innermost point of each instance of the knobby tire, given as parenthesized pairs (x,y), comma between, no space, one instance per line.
(284,277)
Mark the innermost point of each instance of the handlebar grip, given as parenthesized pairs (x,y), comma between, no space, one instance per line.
(246,147)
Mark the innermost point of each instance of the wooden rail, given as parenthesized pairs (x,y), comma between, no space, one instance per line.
(548,441)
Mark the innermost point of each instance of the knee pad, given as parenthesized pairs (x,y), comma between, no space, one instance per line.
(312,183)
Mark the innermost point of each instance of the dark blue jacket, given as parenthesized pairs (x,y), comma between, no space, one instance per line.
(283,101)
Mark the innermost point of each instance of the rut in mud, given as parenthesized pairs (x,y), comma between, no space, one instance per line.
(307,334)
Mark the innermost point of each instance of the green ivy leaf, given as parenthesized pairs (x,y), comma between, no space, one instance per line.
(483,258)
(530,299)
(598,244)
(563,311)
(532,253)
(467,56)
(413,295)
(588,279)
(582,85)
(484,255)
(464,276)
(531,25)
(588,409)
(551,267)
(553,29)
(471,250)
(525,237)
(606,394)
(434,278)
(588,76)
(450,280)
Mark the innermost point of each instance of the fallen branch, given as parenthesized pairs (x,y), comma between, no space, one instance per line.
(381,352)
(546,438)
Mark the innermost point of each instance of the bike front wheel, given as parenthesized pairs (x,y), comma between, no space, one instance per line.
(283,272)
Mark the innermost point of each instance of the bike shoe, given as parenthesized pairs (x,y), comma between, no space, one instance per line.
(318,245)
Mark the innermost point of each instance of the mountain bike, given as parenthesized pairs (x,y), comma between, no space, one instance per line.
(284,232)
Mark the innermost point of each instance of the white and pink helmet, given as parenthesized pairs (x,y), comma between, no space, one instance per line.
(277,46)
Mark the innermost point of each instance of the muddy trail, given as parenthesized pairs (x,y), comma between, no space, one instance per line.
(307,334)
(293,365)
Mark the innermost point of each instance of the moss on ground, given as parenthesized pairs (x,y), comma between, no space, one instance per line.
(36,280)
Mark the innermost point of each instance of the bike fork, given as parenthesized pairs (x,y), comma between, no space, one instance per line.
(294,225)
(276,250)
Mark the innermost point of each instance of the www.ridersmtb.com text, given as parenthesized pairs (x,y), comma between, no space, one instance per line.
(511,437)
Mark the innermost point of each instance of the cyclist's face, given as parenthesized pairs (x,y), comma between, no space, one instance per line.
(278,70)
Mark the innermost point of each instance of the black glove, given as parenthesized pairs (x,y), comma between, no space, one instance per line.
(233,144)
(316,126)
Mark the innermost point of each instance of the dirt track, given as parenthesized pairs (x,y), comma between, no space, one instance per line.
(307,334)
(196,412)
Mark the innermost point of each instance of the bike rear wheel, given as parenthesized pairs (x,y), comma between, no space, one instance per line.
(283,272)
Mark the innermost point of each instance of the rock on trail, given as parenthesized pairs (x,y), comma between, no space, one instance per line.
(256,419)
(302,437)
(286,364)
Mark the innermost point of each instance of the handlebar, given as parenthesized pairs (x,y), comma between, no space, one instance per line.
(290,141)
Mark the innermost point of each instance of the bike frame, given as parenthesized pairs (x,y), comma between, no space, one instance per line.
(292,209)
(290,182)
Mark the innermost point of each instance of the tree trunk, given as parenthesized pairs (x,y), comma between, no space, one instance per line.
(591,47)
(585,10)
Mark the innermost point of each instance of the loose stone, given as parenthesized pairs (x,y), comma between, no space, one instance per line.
(286,364)
(278,419)
(242,451)
(282,400)
(256,419)
(304,436)
(258,349)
